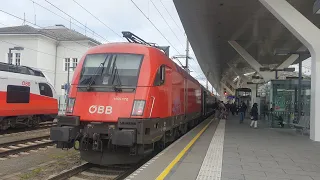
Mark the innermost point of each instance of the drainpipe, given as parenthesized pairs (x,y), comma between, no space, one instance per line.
(55,66)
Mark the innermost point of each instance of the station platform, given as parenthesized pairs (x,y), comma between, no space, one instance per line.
(227,150)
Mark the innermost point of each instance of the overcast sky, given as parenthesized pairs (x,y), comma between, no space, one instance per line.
(119,15)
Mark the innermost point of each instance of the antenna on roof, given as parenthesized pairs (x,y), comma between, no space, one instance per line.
(24,18)
(132,38)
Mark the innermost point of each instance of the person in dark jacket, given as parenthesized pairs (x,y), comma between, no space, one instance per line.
(242,110)
(254,116)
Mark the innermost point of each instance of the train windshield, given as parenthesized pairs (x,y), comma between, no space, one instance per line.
(111,70)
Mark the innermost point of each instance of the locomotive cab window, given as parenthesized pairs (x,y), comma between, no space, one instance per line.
(160,76)
(111,70)
(45,90)
(18,94)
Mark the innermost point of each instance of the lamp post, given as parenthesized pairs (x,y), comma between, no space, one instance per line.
(299,53)
(68,80)
(19,48)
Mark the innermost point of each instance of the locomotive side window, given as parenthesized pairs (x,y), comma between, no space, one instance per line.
(160,76)
(18,94)
(45,90)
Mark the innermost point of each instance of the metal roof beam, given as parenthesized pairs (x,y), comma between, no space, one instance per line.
(250,60)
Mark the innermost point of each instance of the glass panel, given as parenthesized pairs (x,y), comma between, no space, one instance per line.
(111,69)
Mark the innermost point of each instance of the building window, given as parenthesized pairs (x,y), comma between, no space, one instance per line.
(18,59)
(10,58)
(18,94)
(66,64)
(74,63)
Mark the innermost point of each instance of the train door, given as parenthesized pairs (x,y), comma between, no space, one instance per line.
(185,83)
(203,102)
(168,90)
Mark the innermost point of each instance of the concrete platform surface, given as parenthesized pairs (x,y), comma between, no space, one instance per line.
(228,150)
(264,153)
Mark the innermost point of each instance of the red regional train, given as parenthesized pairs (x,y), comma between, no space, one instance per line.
(126,99)
(26,97)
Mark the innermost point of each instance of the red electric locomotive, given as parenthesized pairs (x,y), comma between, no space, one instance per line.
(125,100)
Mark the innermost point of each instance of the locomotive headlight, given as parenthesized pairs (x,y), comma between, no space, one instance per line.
(70,105)
(138,107)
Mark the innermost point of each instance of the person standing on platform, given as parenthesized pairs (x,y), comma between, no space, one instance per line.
(233,108)
(254,116)
(242,111)
(245,109)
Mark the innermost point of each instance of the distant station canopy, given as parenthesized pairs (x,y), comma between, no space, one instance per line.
(135,39)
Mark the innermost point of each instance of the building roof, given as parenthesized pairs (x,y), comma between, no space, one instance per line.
(58,32)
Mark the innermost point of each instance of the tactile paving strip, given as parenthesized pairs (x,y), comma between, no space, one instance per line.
(212,163)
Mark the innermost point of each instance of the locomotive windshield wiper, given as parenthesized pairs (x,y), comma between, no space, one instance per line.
(116,74)
(94,76)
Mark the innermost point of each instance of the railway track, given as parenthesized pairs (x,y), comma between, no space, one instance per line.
(45,125)
(22,146)
(88,171)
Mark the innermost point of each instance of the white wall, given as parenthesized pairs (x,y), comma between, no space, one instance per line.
(46,57)
(68,50)
(28,55)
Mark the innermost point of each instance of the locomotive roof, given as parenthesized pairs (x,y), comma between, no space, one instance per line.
(135,48)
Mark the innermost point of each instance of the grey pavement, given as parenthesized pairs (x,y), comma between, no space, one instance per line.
(268,154)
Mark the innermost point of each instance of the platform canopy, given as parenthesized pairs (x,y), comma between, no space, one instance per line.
(219,29)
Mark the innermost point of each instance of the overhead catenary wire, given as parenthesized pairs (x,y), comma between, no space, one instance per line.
(31,49)
(166,22)
(71,17)
(40,27)
(97,19)
(83,28)
(154,26)
(171,16)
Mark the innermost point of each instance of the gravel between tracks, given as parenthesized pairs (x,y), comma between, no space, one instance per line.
(38,166)
(24,135)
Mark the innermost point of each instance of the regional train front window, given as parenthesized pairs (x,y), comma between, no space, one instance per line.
(111,69)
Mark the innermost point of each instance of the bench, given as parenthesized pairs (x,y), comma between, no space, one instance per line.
(303,124)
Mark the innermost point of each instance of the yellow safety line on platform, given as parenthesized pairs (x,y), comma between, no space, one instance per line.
(166,171)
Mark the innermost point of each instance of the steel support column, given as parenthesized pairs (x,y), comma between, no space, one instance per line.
(309,35)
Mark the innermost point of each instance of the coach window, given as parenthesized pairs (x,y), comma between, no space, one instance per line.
(160,76)
(45,90)
(18,94)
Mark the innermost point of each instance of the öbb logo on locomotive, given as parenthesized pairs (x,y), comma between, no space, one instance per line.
(100,109)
